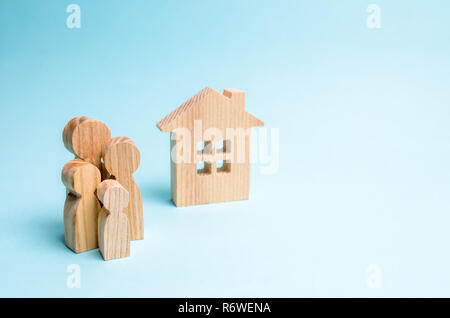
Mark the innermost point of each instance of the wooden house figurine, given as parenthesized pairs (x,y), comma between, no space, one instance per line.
(210,147)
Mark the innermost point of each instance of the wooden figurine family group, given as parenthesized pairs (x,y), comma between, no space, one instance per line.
(103,207)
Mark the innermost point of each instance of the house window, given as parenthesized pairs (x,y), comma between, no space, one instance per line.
(223,146)
(223,166)
(214,157)
(203,168)
(204,147)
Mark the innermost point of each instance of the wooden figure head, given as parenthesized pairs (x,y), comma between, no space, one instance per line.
(80,177)
(121,156)
(85,138)
(113,196)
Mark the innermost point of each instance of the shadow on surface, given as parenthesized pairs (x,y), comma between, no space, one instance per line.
(156,193)
(46,231)
(42,230)
(50,228)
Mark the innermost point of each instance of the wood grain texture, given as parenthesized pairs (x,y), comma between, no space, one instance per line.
(81,207)
(113,226)
(85,138)
(220,112)
(121,159)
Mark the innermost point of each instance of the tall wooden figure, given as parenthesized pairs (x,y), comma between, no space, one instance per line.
(121,158)
(82,207)
(85,138)
(113,225)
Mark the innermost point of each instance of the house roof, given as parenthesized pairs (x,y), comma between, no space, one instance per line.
(165,122)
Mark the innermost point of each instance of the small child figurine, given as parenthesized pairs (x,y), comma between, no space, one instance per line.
(113,226)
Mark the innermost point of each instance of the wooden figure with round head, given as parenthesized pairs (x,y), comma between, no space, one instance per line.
(81,208)
(121,159)
(113,225)
(85,138)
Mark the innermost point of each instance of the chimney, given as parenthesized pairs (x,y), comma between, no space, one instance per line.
(237,97)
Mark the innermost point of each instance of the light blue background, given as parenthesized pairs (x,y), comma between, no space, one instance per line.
(363,116)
